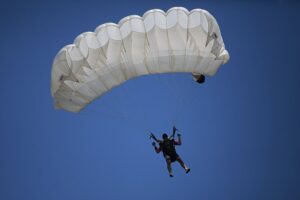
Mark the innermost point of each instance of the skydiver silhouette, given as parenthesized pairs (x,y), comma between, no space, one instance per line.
(167,147)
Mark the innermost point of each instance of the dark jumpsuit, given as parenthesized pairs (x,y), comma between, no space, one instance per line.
(168,149)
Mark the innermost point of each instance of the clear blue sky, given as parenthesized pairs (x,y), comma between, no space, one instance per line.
(240,129)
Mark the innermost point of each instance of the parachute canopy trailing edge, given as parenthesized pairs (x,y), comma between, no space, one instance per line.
(159,42)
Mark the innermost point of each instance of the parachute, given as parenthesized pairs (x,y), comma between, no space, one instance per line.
(176,41)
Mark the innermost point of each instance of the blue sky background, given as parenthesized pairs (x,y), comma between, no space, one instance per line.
(240,129)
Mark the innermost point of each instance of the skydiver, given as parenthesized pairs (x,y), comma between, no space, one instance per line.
(167,146)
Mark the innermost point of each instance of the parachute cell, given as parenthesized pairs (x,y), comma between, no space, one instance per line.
(176,41)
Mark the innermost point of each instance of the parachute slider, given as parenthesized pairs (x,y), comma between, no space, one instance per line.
(199,78)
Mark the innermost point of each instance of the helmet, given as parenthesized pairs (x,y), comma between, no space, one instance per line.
(164,136)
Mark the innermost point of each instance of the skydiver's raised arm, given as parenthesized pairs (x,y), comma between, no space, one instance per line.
(179,140)
(173,134)
(153,137)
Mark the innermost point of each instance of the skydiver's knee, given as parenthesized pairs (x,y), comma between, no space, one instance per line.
(179,159)
(168,160)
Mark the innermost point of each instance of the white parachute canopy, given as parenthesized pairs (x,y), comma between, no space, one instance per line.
(176,41)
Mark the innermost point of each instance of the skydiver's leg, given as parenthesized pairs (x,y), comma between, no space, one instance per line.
(168,160)
(183,165)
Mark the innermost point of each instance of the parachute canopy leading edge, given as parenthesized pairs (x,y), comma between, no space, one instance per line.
(176,41)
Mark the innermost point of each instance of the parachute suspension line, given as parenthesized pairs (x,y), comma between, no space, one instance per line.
(168,84)
(178,109)
(179,99)
(182,103)
(147,123)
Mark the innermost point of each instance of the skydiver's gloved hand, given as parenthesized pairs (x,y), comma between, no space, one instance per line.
(154,144)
